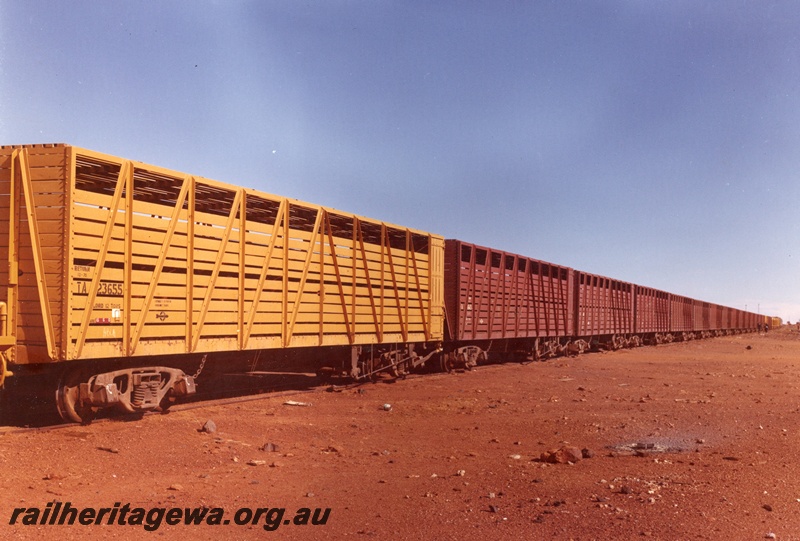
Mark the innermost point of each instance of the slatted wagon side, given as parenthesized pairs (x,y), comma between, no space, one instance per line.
(121,260)
(651,321)
(605,309)
(681,315)
(521,303)
(702,316)
(716,319)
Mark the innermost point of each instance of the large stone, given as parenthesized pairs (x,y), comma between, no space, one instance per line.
(563,455)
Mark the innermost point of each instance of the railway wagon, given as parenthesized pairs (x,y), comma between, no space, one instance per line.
(737,318)
(651,314)
(604,314)
(682,315)
(495,299)
(717,312)
(700,317)
(107,264)
(726,318)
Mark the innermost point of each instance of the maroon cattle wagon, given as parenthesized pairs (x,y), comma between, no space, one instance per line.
(514,302)
(605,308)
(681,316)
(651,315)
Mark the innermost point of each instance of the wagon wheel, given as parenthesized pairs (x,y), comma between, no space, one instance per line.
(475,361)
(167,402)
(399,370)
(368,367)
(3,368)
(67,402)
(468,363)
(445,362)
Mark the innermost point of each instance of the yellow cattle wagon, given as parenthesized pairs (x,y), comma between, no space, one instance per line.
(107,258)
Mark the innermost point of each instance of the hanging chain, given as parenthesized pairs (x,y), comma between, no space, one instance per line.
(202,365)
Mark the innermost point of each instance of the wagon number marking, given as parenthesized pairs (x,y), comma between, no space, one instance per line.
(108,289)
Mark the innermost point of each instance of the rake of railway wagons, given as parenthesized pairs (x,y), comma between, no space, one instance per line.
(121,278)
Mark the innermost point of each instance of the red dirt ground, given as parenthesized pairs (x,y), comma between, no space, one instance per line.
(457,455)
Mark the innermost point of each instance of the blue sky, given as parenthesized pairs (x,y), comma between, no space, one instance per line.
(657,142)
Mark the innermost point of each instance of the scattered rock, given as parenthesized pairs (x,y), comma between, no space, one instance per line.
(562,456)
(494,508)
(175,487)
(767,507)
(269,447)
(256,462)
(109,449)
(587,453)
(296,403)
(209,427)
(387,407)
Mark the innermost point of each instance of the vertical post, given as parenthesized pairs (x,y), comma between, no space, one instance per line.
(126,177)
(13,244)
(190,221)
(353,278)
(242,253)
(382,317)
(325,224)
(407,285)
(285,299)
